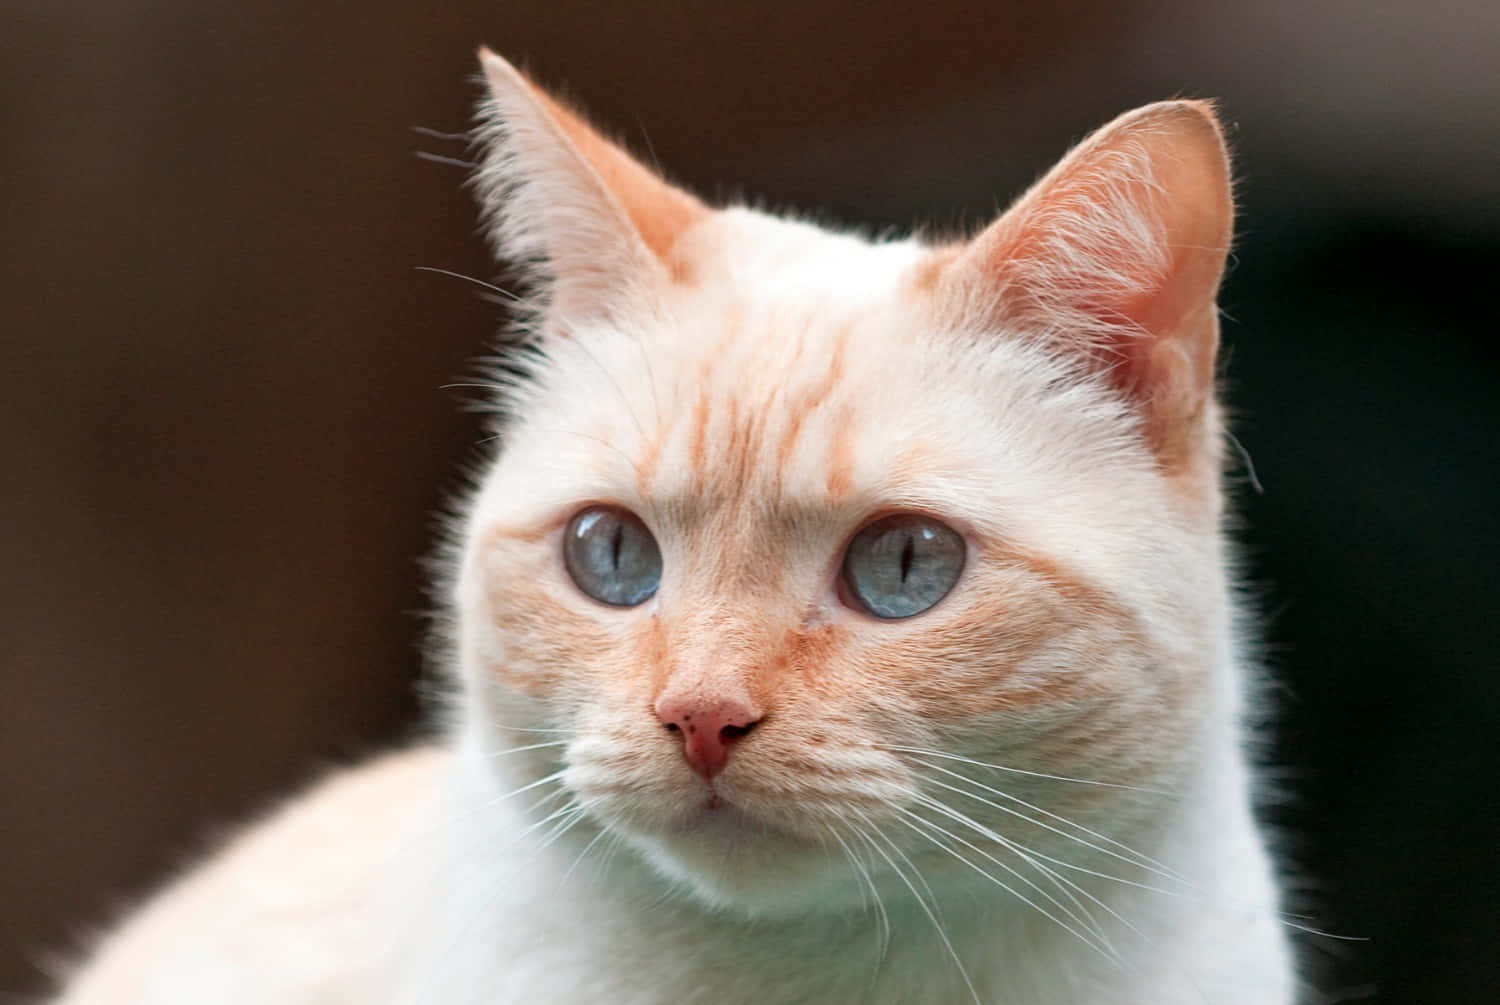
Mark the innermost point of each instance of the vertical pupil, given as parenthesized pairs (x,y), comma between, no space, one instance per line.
(908,550)
(614,545)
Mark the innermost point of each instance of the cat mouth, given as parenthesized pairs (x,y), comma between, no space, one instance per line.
(718,817)
(736,858)
(724,807)
(717,809)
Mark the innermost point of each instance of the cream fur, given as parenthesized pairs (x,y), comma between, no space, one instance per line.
(755,394)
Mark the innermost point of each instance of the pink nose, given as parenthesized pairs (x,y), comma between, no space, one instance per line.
(708,730)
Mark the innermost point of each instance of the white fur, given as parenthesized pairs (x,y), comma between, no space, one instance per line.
(427,877)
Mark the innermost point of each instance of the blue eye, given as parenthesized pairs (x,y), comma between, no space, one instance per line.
(612,556)
(902,565)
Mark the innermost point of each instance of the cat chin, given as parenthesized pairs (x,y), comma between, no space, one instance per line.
(732,863)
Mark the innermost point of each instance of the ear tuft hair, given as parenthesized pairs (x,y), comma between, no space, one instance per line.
(1115,258)
(590,228)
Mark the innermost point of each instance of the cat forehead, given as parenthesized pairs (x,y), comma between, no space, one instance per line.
(789,413)
(798,370)
(769,259)
(776,403)
(761,374)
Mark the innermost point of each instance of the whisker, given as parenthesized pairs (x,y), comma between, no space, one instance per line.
(507,294)
(571,807)
(1115,879)
(555,776)
(447,823)
(1145,861)
(438,134)
(904,857)
(943,935)
(1322,934)
(440,159)
(1063,884)
(884,935)
(544,800)
(1108,953)
(1087,920)
(1067,887)
(582,855)
(579,811)
(1059,879)
(529,746)
(611,849)
(884,930)
(1032,774)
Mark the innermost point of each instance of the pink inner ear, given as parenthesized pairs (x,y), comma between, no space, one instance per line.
(660,212)
(558,192)
(1119,250)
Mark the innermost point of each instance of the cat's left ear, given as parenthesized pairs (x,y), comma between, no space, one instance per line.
(599,226)
(1116,254)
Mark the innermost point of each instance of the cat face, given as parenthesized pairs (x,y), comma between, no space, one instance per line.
(818,554)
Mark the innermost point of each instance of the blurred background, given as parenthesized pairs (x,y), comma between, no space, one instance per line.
(224,430)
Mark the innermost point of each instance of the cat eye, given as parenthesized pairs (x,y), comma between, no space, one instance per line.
(902,565)
(612,556)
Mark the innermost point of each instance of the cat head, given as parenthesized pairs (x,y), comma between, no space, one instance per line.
(794,533)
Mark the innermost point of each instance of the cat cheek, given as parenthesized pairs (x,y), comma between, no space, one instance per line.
(532,642)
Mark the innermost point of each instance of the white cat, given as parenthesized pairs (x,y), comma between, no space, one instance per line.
(840,622)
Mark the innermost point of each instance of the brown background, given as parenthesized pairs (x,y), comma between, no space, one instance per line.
(224,432)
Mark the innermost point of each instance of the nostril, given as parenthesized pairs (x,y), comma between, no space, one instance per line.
(733,732)
(707,730)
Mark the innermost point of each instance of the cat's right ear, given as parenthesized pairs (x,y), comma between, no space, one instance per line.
(1115,257)
(595,226)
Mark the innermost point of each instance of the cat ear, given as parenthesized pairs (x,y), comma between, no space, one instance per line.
(1117,253)
(596,224)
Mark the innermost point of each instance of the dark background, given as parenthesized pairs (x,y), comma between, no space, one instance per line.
(224,433)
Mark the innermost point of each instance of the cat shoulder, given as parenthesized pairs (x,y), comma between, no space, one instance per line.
(300,878)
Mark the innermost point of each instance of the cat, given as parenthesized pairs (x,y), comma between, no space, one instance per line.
(840,621)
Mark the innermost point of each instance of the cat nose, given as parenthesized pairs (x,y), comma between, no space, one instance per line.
(709,729)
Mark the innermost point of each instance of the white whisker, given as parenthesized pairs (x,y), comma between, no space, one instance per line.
(469,279)
(936,924)
(1141,861)
(1108,953)
(441,159)
(567,824)
(530,746)
(884,929)
(545,779)
(937,908)
(1086,920)
(581,855)
(1032,774)
(1063,883)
